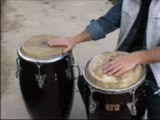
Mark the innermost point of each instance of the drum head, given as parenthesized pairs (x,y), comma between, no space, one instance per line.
(37,48)
(95,76)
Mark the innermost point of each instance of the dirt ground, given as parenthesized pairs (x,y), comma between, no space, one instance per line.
(22,19)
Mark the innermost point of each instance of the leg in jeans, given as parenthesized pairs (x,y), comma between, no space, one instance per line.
(153,101)
(153,105)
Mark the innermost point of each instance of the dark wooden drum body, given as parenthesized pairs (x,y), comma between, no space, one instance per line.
(46,79)
(50,93)
(108,97)
(101,105)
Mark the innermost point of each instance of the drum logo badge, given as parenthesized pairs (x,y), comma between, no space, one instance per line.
(112,107)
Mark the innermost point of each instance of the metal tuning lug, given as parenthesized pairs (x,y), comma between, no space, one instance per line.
(133,103)
(40,78)
(92,103)
(18,68)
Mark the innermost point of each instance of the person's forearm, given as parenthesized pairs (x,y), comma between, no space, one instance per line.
(148,56)
(83,36)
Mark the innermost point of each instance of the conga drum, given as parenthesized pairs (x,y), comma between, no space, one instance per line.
(46,78)
(110,97)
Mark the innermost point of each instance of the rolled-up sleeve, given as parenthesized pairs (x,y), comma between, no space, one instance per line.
(107,23)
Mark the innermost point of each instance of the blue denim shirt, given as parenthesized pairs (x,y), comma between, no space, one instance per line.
(107,23)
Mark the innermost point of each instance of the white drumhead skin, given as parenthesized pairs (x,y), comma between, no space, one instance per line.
(37,47)
(95,75)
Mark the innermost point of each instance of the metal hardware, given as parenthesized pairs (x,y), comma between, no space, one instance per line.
(78,69)
(44,61)
(157,92)
(92,103)
(133,103)
(68,70)
(71,58)
(40,78)
(18,68)
(55,77)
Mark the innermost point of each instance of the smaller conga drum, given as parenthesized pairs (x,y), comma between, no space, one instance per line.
(110,97)
(46,78)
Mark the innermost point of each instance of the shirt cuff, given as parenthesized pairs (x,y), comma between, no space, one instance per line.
(95,30)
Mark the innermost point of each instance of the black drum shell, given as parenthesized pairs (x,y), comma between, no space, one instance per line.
(112,99)
(54,99)
(122,100)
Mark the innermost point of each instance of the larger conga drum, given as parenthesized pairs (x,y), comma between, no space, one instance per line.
(46,78)
(109,97)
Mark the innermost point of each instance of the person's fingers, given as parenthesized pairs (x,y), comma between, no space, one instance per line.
(119,73)
(56,42)
(114,71)
(109,67)
(52,43)
(66,50)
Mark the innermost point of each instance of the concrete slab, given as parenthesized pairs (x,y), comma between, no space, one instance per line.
(22,19)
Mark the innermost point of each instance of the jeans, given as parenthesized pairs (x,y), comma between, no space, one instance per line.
(153,101)
(153,104)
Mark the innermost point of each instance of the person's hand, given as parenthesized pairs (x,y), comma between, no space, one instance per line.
(67,42)
(121,65)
